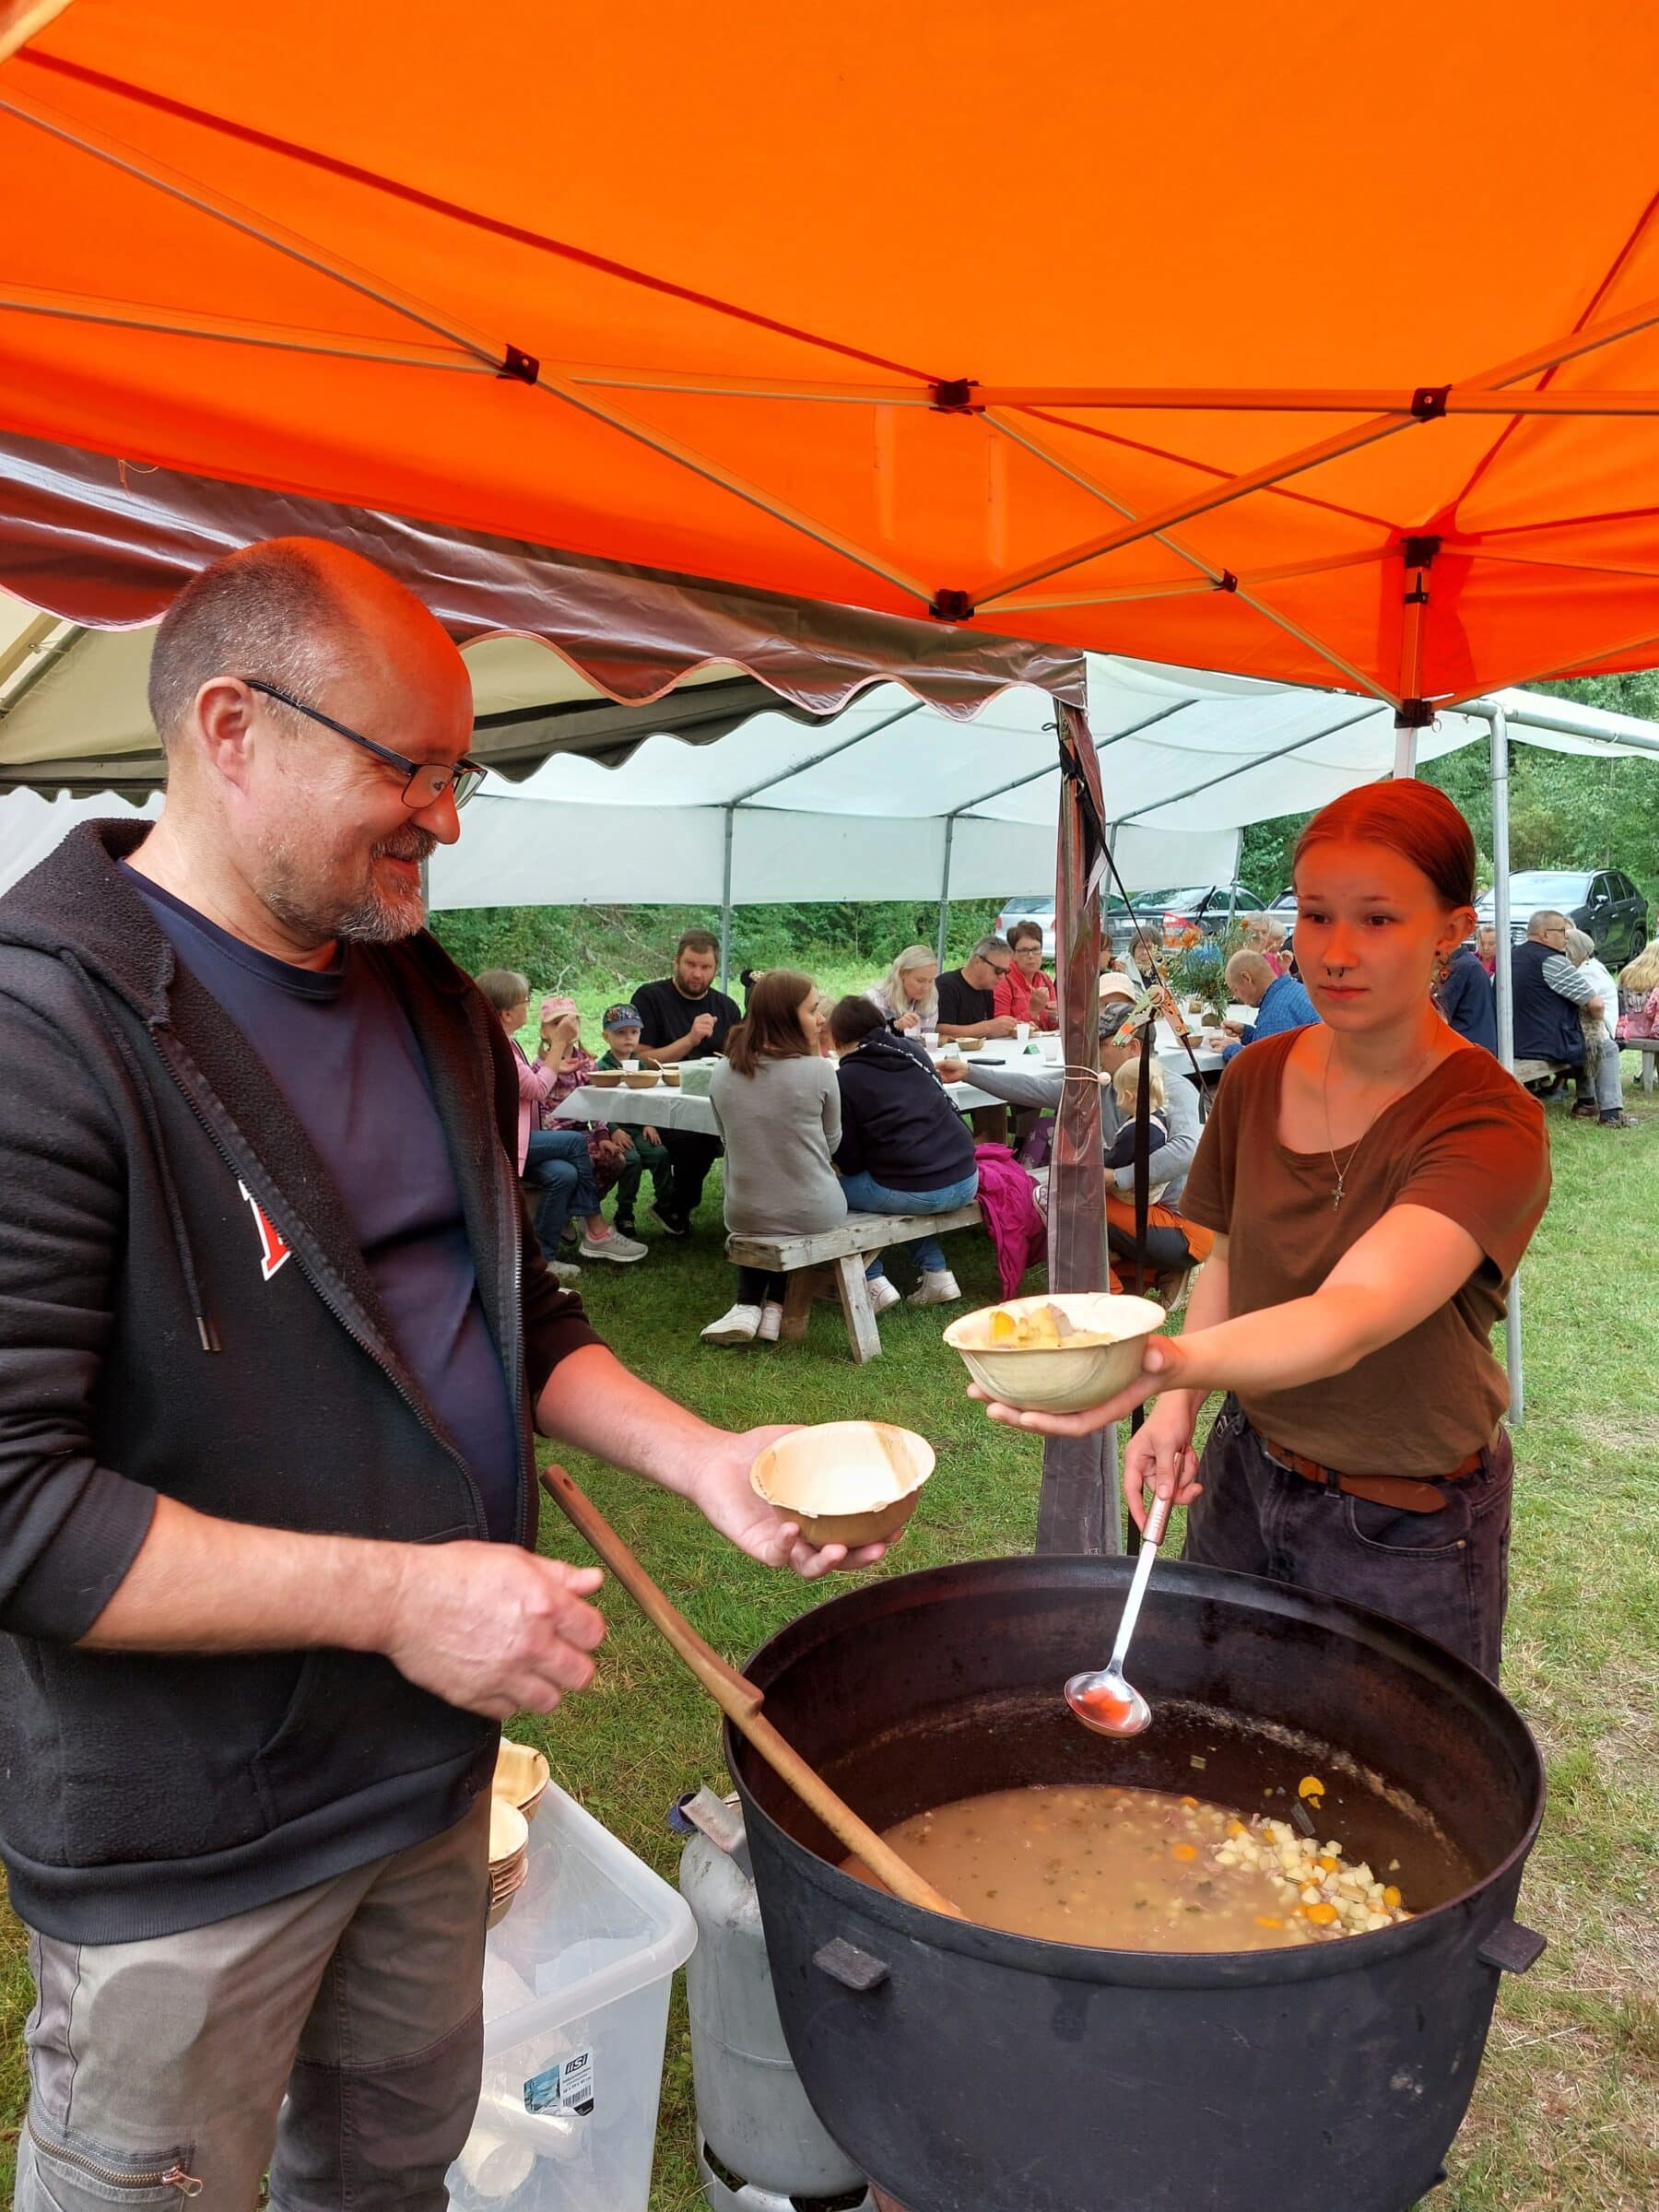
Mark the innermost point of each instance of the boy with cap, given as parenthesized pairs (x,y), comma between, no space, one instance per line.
(621,1026)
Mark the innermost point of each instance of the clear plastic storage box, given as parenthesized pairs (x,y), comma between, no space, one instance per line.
(576,1982)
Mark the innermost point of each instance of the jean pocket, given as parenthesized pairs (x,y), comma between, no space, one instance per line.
(1402,1536)
(74,2172)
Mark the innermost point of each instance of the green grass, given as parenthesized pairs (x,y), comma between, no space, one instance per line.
(1566,2115)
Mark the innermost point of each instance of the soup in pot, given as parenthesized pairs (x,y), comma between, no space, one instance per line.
(1126,1869)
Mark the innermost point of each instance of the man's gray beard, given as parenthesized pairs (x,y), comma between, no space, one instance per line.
(373,918)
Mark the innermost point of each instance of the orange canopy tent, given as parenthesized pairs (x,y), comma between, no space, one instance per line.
(1265,338)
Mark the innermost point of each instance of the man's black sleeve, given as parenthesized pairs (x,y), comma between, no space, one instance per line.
(69,1527)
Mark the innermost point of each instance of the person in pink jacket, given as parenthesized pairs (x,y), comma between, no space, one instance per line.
(556,1160)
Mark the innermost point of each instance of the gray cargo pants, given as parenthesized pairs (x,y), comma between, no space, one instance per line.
(158,2069)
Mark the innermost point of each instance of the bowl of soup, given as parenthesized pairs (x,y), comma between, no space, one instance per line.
(845,1482)
(606,1078)
(640,1079)
(1057,1352)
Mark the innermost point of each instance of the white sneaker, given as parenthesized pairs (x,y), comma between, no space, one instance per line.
(938,1290)
(771,1321)
(563,1272)
(884,1293)
(740,1324)
(624,1249)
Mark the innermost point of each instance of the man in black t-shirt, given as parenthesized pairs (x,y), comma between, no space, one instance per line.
(683,1018)
(967,995)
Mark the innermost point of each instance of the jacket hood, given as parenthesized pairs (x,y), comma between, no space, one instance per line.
(76,903)
(882,1050)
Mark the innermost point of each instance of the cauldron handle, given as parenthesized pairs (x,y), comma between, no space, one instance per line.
(740,1702)
(1511,1948)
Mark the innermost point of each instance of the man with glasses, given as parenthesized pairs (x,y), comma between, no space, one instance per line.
(276,1339)
(968,994)
(1549,994)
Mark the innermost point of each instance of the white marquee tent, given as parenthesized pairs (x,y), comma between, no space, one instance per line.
(888,799)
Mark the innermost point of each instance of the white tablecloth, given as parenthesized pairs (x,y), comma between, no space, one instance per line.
(664,1107)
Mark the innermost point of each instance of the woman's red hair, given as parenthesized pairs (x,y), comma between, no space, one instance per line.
(1413,819)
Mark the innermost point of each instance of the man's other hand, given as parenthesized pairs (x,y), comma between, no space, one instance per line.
(492,1629)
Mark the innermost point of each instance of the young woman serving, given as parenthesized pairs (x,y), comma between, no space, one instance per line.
(1374,1181)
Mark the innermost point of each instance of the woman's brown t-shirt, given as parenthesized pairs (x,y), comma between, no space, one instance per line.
(1467,1142)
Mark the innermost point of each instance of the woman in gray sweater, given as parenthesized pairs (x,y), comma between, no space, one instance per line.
(778,1109)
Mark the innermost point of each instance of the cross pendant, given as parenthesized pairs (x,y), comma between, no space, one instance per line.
(1337,1197)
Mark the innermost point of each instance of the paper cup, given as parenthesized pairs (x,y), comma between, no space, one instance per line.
(1022,1032)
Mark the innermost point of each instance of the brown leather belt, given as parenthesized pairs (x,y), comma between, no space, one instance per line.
(1402,1492)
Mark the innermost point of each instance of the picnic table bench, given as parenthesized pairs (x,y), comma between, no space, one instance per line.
(833,1261)
(1648,1049)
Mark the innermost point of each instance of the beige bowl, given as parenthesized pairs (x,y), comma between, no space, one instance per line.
(508,1854)
(521,1775)
(606,1078)
(965,1047)
(845,1482)
(669,1076)
(640,1079)
(1040,1381)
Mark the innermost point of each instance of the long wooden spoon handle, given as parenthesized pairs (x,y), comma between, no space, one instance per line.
(740,1702)
(732,1692)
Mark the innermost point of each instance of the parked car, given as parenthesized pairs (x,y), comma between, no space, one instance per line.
(1602,902)
(1207,904)
(1040,910)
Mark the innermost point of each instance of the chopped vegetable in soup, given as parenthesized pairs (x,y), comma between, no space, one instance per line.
(1121,1869)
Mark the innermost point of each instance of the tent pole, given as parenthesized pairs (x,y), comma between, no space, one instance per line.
(945,884)
(1077,1512)
(1404,760)
(725,900)
(1504,990)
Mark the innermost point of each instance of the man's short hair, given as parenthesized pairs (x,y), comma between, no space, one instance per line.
(853,1018)
(504,988)
(269,610)
(988,945)
(1249,966)
(1544,922)
(697,940)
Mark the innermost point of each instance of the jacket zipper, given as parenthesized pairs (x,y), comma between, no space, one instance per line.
(480,1519)
(174,2178)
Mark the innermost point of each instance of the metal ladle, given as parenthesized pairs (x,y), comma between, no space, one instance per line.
(1101,1699)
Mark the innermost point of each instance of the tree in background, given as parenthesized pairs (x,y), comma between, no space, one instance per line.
(1565,811)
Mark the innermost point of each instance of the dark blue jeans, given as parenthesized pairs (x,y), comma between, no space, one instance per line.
(560,1164)
(1445,1574)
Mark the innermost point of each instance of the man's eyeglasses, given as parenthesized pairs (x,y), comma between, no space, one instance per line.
(424,785)
(998,967)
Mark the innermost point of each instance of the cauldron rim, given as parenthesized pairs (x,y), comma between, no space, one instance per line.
(1082,1962)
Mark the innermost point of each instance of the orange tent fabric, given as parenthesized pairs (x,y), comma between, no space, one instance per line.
(908,309)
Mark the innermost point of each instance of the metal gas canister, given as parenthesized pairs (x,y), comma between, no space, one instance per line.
(761,2146)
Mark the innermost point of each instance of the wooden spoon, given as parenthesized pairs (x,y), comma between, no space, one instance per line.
(740,1702)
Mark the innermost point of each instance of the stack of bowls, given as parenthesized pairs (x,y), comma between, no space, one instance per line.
(509,1856)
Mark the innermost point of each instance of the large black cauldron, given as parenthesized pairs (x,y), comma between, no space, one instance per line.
(972,2071)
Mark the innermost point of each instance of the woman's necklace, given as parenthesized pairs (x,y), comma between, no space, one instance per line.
(1341,1170)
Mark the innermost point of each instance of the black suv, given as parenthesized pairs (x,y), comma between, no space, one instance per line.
(1602,902)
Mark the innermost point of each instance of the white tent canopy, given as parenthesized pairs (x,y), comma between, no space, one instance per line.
(889,799)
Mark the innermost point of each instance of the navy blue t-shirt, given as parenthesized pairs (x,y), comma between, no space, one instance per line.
(339,1047)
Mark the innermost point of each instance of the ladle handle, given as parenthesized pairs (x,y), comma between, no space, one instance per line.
(740,1702)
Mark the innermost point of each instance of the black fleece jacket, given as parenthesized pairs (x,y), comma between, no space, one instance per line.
(897,1122)
(145,1350)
